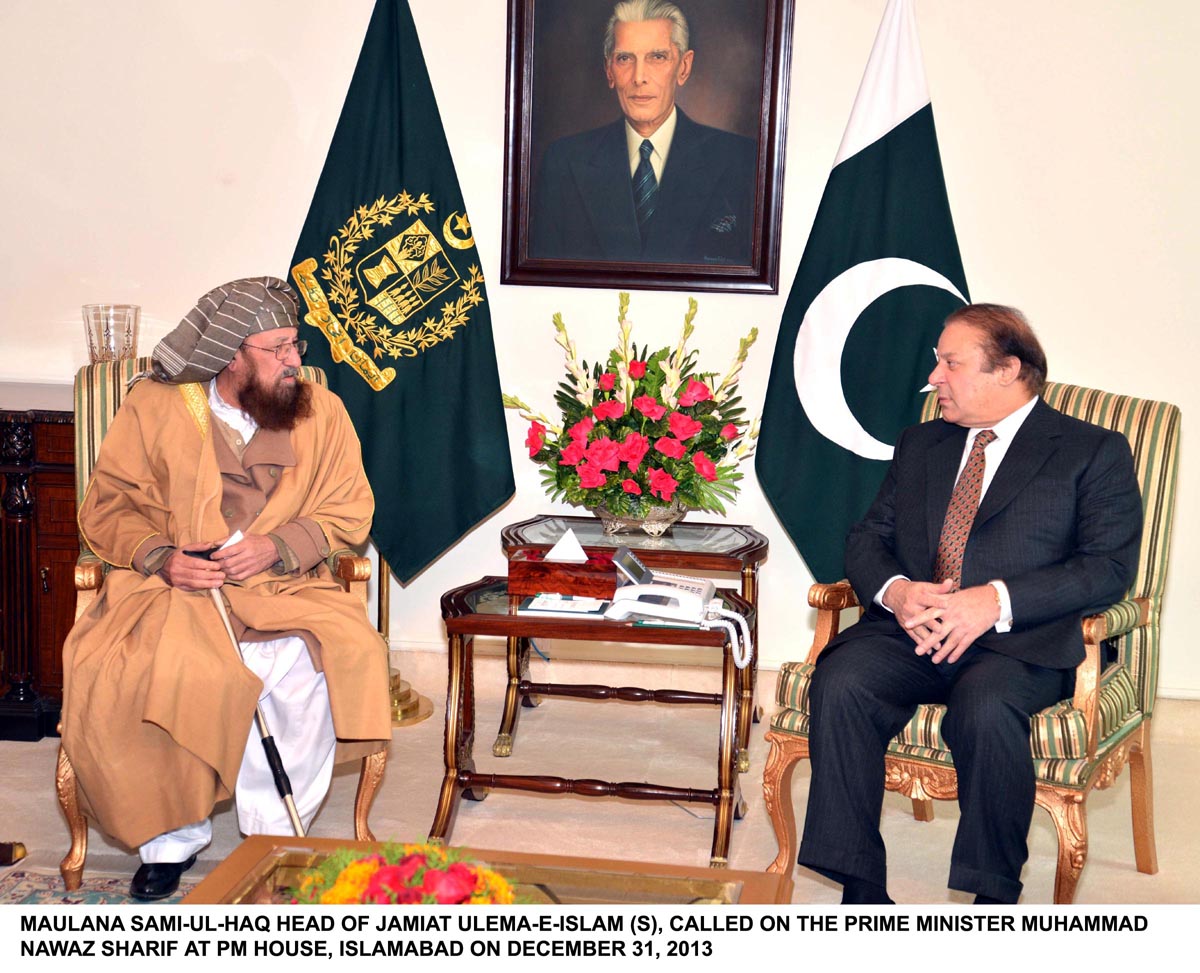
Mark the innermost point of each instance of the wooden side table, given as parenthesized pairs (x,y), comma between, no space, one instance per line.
(721,548)
(483,608)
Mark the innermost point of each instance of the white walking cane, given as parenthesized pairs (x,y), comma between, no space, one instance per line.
(282,784)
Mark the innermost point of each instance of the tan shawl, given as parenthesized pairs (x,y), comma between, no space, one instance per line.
(156,705)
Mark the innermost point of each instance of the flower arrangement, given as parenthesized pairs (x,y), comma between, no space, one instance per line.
(401,874)
(642,430)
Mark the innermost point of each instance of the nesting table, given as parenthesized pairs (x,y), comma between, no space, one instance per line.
(731,549)
(484,608)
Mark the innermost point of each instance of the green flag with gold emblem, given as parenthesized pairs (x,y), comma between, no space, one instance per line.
(394,307)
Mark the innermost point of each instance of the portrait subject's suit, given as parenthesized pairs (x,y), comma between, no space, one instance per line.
(1060,525)
(583,206)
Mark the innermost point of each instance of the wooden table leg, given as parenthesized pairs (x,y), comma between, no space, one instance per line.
(517,665)
(727,777)
(749,713)
(460,735)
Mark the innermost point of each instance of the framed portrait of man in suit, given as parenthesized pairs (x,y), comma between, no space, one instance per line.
(645,143)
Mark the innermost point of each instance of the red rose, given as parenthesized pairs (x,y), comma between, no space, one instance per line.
(537,436)
(729,431)
(695,392)
(579,431)
(683,427)
(630,486)
(637,369)
(670,447)
(662,483)
(704,466)
(572,454)
(606,381)
(454,886)
(603,453)
(408,866)
(632,450)
(390,882)
(591,476)
(650,407)
(612,409)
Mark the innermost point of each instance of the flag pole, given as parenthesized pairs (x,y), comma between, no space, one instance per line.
(408,706)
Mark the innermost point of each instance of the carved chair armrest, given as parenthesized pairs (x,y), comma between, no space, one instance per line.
(1121,618)
(352,571)
(348,566)
(829,600)
(89,576)
(89,572)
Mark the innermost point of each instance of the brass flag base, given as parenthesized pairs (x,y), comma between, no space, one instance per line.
(408,706)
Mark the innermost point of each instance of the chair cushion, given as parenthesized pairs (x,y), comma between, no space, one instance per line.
(1057,734)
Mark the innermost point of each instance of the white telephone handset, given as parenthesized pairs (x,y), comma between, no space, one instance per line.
(667,601)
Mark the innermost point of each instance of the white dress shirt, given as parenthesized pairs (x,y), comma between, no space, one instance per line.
(661,140)
(994,453)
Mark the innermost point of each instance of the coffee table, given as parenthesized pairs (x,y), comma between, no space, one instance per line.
(686,546)
(484,608)
(263,867)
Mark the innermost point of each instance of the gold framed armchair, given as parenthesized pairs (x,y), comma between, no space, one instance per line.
(99,391)
(1078,744)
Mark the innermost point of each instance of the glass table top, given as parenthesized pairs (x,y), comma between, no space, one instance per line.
(682,538)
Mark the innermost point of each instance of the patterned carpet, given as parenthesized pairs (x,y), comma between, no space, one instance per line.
(40,888)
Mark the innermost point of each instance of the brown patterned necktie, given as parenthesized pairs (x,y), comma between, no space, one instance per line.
(960,514)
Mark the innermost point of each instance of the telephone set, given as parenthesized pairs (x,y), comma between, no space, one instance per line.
(676,598)
(649,594)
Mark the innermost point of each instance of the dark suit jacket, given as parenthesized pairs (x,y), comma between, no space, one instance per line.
(1060,524)
(583,199)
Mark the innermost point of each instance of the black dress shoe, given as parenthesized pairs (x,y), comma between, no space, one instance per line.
(158,880)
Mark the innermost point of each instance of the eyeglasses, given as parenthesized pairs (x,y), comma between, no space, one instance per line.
(282,351)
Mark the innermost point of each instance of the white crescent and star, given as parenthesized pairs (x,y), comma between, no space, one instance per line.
(821,341)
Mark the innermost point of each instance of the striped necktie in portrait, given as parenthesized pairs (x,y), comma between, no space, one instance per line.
(645,187)
(960,514)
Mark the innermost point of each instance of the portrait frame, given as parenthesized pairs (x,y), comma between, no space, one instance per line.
(555,89)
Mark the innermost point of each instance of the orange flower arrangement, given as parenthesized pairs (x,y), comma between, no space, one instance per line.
(401,874)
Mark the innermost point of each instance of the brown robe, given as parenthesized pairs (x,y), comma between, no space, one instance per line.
(156,703)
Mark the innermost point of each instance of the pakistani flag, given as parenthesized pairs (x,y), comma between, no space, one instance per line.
(879,274)
(394,296)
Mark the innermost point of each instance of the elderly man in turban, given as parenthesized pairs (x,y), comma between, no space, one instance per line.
(158,709)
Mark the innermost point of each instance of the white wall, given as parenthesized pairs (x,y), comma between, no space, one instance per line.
(155,149)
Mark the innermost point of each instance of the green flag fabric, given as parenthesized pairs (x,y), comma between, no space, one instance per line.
(879,274)
(388,273)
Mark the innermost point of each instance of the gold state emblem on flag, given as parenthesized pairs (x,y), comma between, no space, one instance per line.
(399,299)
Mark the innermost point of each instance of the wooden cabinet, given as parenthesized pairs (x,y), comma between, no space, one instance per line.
(38,547)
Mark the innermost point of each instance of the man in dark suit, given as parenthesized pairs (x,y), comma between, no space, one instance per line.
(654,186)
(996,529)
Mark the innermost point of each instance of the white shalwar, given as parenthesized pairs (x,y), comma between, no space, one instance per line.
(295,703)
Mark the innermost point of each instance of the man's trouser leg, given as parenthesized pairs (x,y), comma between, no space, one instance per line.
(987,729)
(178,845)
(295,702)
(862,694)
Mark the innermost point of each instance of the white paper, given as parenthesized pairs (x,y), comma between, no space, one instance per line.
(236,536)
(568,550)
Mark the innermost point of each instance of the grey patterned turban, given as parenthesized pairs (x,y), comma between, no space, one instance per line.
(206,340)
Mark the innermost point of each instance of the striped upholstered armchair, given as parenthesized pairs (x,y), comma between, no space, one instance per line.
(1078,744)
(99,390)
